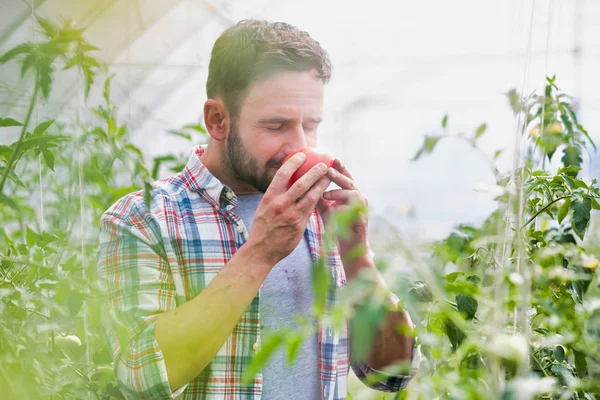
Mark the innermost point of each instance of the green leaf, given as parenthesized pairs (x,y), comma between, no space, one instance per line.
(580,363)
(293,345)
(564,210)
(581,215)
(4,122)
(180,134)
(572,157)
(595,204)
(515,101)
(320,279)
(559,353)
(196,127)
(364,326)
(480,130)
(570,168)
(497,154)
(15,51)
(45,141)
(428,146)
(466,305)
(74,303)
(272,342)
(28,62)
(567,123)
(12,176)
(158,162)
(570,182)
(587,135)
(41,128)
(147,194)
(45,78)
(85,47)
(445,121)
(49,28)
(88,75)
(112,126)
(580,184)
(107,84)
(4,199)
(102,356)
(48,158)
(32,237)
(121,132)
(540,173)
(72,62)
(91,62)
(455,335)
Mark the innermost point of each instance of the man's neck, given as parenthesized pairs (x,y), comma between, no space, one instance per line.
(212,159)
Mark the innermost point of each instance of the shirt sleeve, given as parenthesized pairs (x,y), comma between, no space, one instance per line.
(386,381)
(139,287)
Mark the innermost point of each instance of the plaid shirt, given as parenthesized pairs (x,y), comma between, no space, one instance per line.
(156,259)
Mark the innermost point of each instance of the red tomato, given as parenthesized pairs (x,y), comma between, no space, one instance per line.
(313,157)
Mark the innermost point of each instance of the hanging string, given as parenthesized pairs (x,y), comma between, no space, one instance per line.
(37,121)
(508,219)
(520,310)
(79,143)
(538,149)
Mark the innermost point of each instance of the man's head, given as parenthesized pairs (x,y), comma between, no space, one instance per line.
(252,50)
(265,98)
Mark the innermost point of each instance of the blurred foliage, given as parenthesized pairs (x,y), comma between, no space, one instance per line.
(524,283)
(51,342)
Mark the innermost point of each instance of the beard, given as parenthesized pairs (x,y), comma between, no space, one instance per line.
(245,167)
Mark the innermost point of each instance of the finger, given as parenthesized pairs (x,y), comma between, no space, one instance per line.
(303,185)
(324,207)
(312,196)
(283,175)
(337,164)
(341,180)
(342,195)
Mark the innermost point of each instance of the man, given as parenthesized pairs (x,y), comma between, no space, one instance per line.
(224,253)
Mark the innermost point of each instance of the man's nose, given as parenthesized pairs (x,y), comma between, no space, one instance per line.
(298,139)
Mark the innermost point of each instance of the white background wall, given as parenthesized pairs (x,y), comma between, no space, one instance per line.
(399,66)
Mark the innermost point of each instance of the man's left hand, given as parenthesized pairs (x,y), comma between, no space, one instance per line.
(340,199)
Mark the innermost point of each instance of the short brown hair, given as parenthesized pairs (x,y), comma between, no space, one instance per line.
(251,50)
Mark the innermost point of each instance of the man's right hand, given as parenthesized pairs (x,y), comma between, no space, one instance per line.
(282,215)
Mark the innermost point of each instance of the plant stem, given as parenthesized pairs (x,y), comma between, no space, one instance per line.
(542,210)
(15,153)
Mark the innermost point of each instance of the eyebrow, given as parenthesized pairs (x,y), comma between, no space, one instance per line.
(283,120)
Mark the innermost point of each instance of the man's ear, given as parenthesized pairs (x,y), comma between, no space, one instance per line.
(216,119)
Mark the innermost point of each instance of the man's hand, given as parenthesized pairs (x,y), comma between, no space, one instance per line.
(282,214)
(340,199)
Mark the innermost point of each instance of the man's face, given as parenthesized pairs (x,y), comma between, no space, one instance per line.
(279,116)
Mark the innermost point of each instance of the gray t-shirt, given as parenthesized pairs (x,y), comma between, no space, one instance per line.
(285,294)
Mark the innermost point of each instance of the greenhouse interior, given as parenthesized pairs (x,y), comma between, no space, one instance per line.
(437,237)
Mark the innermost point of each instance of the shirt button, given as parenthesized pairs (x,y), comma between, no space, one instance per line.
(229,195)
(256,346)
(240,228)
